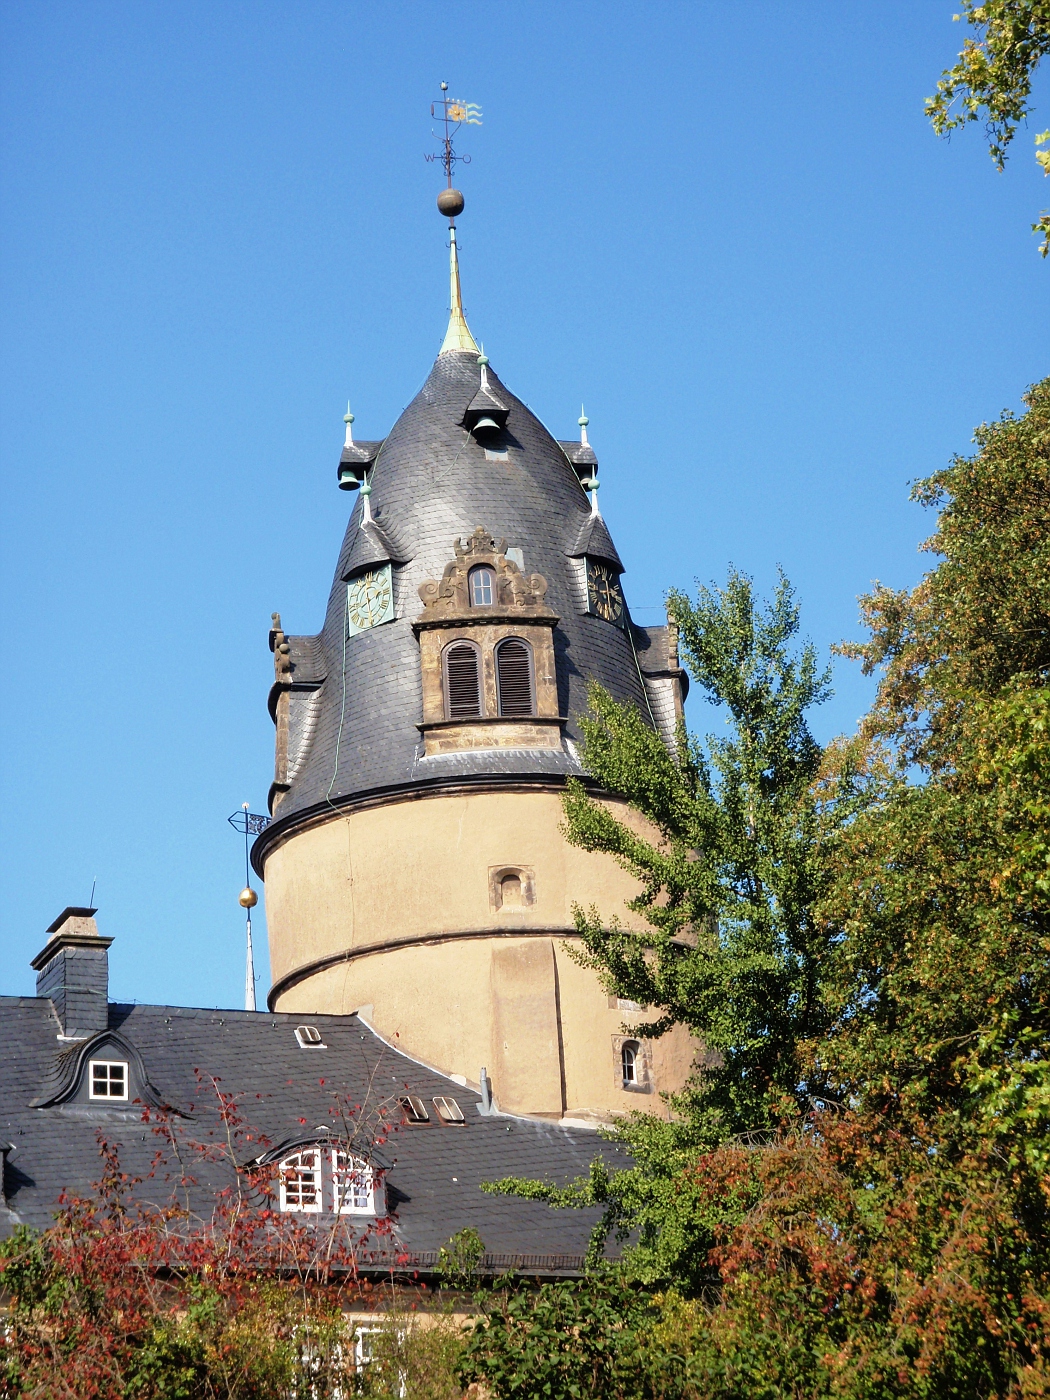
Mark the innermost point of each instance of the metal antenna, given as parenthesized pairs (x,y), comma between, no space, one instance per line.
(252,824)
(91,901)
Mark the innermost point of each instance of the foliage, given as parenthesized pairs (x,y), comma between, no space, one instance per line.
(729,859)
(458,1260)
(731,862)
(210,1293)
(563,1340)
(993,78)
(414,1357)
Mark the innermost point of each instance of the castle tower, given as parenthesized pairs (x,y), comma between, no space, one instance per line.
(414,868)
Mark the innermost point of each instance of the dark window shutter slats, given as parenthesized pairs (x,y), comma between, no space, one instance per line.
(464,692)
(514,674)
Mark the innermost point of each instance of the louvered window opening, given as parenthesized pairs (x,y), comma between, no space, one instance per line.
(514,676)
(462,681)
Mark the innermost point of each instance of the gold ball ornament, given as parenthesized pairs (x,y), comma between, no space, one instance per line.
(247,898)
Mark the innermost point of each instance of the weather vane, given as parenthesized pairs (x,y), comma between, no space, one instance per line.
(453,114)
(251,824)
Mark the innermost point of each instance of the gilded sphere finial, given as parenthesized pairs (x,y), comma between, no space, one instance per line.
(450,203)
(247,898)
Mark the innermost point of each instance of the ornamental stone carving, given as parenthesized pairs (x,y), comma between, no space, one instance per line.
(517,593)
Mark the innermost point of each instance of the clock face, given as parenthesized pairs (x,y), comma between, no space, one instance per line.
(604,597)
(369,600)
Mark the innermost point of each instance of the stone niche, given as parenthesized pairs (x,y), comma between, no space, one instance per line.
(514,608)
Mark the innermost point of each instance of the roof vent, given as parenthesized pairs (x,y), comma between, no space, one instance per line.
(309,1038)
(73,971)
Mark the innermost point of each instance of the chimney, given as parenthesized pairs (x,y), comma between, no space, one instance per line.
(73,970)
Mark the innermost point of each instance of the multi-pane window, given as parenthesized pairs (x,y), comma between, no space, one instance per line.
(629,1063)
(109,1079)
(462,681)
(514,677)
(353,1186)
(301,1181)
(482,584)
(317,1179)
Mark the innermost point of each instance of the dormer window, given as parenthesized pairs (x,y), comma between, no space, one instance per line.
(462,681)
(316,1179)
(300,1178)
(353,1186)
(514,678)
(109,1079)
(482,584)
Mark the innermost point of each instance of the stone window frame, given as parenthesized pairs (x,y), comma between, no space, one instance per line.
(527,877)
(642,1064)
(490,585)
(447,696)
(530,662)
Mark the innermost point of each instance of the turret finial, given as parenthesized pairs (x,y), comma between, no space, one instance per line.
(348,418)
(453,115)
(583,420)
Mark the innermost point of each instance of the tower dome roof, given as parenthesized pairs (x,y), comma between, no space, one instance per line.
(435,481)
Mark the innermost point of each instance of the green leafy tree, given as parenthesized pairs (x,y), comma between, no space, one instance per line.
(993,80)
(565,1340)
(730,864)
(728,860)
(942,983)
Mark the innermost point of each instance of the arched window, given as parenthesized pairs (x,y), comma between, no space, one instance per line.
(462,681)
(510,890)
(353,1185)
(300,1178)
(482,583)
(323,1178)
(514,678)
(629,1063)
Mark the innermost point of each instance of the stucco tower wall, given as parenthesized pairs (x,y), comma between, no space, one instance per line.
(399,908)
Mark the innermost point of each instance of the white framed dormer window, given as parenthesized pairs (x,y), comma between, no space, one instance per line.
(108,1079)
(353,1185)
(300,1181)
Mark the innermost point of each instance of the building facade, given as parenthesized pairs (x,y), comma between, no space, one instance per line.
(415,869)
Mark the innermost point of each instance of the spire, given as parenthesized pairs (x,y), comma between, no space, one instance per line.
(458,336)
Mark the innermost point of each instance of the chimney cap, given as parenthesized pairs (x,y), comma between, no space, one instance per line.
(72,911)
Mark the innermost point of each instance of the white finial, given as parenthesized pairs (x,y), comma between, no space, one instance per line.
(366,494)
(348,419)
(483,361)
(583,420)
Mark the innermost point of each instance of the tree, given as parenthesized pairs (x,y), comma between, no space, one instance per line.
(993,79)
(730,876)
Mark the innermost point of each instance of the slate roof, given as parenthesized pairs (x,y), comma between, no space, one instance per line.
(433,1172)
(433,482)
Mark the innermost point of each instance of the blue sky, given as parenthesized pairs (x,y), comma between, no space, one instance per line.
(727,229)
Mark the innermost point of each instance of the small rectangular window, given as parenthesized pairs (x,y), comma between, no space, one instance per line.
(309,1038)
(109,1079)
(448,1110)
(414,1109)
(364,1340)
(496,454)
